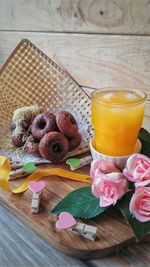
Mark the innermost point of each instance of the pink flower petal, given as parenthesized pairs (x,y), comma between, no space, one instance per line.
(140,204)
(102,166)
(105,203)
(96,187)
(145,183)
(109,187)
(115,176)
(94,165)
(128,175)
(137,168)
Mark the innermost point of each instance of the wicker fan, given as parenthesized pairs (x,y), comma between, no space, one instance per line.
(30,77)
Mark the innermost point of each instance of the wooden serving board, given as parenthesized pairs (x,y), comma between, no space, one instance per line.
(113,232)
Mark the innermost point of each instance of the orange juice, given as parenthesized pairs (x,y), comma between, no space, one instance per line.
(117,116)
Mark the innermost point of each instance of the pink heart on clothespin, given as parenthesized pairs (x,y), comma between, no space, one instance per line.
(66,220)
(36,187)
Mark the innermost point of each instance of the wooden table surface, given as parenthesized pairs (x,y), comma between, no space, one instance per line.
(20,247)
(101,43)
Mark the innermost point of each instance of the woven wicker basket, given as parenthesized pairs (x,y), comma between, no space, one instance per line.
(30,77)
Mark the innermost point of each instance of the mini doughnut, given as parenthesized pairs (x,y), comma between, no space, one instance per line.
(17,139)
(32,147)
(67,124)
(75,141)
(42,124)
(53,146)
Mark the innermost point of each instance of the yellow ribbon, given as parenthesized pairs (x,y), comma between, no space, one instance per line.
(5,169)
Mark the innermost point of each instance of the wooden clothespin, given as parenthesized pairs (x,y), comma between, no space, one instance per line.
(23,171)
(36,188)
(17,174)
(35,202)
(76,163)
(67,222)
(85,230)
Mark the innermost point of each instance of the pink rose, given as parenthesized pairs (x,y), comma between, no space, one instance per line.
(109,188)
(138,169)
(99,166)
(140,204)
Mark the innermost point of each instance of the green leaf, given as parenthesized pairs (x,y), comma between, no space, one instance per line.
(139,229)
(29,167)
(81,203)
(144,136)
(145,149)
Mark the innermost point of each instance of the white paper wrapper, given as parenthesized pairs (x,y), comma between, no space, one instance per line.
(18,155)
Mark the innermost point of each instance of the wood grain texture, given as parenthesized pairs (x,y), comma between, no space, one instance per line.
(138,256)
(112,235)
(21,247)
(26,249)
(94,61)
(90,16)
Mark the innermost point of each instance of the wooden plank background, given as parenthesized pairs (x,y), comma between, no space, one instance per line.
(90,16)
(101,43)
(95,61)
(71,32)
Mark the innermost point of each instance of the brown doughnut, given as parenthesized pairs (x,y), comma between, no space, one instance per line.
(75,141)
(17,139)
(53,146)
(32,147)
(67,124)
(42,124)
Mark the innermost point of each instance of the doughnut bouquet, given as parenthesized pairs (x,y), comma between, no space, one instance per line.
(40,133)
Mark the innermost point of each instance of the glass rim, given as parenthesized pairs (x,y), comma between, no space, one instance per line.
(121,89)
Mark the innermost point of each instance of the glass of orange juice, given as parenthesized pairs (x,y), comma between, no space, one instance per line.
(117,116)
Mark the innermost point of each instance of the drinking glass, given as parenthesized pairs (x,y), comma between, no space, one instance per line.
(117,115)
